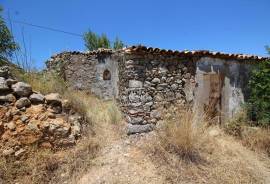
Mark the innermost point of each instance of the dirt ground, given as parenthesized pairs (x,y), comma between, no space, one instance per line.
(125,160)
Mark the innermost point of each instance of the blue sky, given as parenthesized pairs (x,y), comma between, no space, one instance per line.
(233,26)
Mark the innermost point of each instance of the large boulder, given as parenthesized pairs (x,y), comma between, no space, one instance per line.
(4,71)
(10,82)
(3,84)
(23,102)
(53,98)
(22,89)
(37,98)
(58,128)
(8,98)
(75,122)
(66,106)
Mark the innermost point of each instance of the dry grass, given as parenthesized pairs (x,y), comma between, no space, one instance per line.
(235,126)
(182,136)
(25,168)
(43,82)
(77,161)
(186,152)
(114,113)
(258,140)
(46,166)
(255,138)
(42,166)
(94,109)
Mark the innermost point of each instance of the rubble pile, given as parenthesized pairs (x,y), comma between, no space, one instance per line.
(28,117)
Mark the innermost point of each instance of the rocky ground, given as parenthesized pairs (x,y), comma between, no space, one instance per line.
(30,118)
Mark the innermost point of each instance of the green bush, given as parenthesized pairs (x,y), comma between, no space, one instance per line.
(234,127)
(94,41)
(7,44)
(259,101)
(118,44)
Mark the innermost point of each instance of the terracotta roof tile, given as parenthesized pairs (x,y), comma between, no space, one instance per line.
(184,53)
(200,53)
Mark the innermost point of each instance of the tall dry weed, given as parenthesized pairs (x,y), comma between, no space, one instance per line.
(182,135)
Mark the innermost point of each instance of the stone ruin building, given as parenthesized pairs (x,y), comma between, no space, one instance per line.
(144,80)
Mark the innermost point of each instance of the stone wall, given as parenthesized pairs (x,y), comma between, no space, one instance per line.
(145,81)
(86,71)
(149,83)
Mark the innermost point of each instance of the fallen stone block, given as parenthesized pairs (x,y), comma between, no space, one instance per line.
(133,129)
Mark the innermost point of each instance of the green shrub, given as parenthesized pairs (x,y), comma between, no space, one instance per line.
(93,41)
(235,125)
(259,102)
(7,44)
(234,128)
(118,44)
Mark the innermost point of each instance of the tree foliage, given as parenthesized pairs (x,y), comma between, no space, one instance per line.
(7,44)
(118,44)
(94,41)
(104,42)
(259,84)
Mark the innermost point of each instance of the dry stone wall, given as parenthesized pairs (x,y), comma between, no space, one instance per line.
(150,83)
(145,81)
(94,72)
(143,84)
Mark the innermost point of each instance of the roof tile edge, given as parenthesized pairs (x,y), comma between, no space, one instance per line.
(153,50)
(199,53)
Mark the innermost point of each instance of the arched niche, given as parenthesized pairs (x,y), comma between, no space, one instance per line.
(106,75)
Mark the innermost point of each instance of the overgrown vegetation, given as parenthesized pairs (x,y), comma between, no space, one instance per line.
(93,41)
(10,51)
(57,166)
(44,82)
(255,138)
(7,43)
(181,136)
(186,152)
(94,109)
(251,125)
(118,44)
(48,166)
(259,102)
(235,126)
(114,113)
